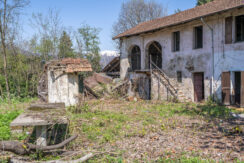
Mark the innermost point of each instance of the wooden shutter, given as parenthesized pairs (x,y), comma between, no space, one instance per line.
(242,89)
(228,30)
(199,87)
(226,88)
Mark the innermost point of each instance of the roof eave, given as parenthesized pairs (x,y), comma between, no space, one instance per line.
(183,22)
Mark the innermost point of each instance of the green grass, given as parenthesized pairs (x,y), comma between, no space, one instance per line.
(109,125)
(99,123)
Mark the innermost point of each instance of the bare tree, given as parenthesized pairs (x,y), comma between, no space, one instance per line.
(134,12)
(9,14)
(49,27)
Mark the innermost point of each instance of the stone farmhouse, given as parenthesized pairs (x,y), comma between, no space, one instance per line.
(191,55)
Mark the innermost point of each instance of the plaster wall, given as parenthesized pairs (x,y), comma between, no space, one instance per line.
(227,57)
(63,88)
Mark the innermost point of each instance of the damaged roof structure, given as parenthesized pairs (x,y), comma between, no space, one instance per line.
(112,68)
(70,65)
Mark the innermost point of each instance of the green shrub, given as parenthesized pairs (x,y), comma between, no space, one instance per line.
(5,120)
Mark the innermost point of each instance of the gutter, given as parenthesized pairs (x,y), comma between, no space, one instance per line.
(213,70)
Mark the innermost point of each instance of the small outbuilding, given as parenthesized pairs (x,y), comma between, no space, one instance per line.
(61,82)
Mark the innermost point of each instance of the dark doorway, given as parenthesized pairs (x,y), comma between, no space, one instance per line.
(237,88)
(198,86)
(81,83)
(155,55)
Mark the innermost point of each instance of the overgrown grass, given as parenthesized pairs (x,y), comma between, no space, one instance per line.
(98,124)
(101,125)
(16,100)
(8,112)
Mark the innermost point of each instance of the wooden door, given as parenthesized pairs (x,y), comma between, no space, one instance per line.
(198,87)
(225,78)
(242,89)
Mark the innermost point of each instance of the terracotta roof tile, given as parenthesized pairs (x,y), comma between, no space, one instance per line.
(71,65)
(182,17)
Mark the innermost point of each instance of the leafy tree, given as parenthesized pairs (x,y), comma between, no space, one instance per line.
(65,46)
(90,43)
(9,14)
(134,12)
(45,48)
(201,2)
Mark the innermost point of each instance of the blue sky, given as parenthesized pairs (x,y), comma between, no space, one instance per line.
(97,13)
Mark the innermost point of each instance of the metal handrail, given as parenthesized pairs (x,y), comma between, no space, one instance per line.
(162,73)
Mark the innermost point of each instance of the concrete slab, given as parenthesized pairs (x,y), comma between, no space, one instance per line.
(37,119)
(41,115)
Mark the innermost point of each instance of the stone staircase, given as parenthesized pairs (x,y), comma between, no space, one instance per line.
(171,84)
(166,82)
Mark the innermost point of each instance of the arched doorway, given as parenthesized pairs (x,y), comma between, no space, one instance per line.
(135,58)
(154,54)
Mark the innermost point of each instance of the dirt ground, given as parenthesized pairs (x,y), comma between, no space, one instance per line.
(164,131)
(146,131)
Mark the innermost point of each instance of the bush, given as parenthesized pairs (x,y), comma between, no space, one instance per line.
(5,120)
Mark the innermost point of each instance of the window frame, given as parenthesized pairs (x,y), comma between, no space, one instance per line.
(137,57)
(179,76)
(236,30)
(176,42)
(195,38)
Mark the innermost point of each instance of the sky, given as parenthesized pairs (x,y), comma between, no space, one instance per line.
(97,13)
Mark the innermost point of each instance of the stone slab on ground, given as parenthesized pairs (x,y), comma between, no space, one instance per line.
(35,116)
(36,119)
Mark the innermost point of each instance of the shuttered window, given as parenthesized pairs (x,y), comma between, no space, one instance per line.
(228,30)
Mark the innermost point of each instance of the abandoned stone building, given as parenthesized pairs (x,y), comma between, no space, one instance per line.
(190,55)
(61,82)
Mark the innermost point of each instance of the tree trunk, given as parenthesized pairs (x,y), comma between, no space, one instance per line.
(23,149)
(3,28)
(1,90)
(5,67)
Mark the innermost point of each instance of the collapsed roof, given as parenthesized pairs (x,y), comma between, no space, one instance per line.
(207,9)
(70,65)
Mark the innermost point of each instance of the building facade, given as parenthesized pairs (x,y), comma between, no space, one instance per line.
(190,55)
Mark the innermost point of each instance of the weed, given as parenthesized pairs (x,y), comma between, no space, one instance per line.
(84,107)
